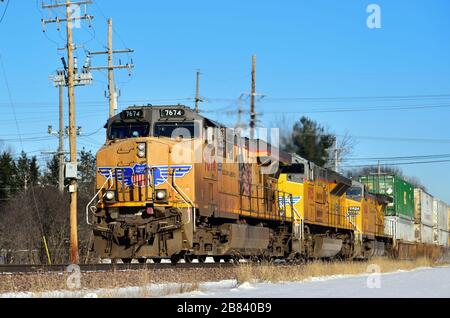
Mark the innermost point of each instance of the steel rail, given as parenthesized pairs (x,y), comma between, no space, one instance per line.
(24,269)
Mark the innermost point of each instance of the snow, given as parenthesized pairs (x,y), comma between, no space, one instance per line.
(419,283)
(151,290)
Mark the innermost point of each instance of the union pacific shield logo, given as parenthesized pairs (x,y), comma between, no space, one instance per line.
(283,201)
(137,176)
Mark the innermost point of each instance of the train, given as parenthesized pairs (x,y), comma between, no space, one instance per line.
(174,185)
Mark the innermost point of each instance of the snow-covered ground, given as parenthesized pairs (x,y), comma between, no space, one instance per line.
(419,283)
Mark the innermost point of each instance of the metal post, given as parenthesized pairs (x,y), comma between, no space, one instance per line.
(252,102)
(197,94)
(61,140)
(112,94)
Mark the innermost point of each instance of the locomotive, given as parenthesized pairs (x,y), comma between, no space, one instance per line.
(172,184)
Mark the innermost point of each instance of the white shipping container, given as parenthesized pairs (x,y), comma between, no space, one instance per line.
(443,238)
(423,207)
(440,215)
(399,228)
(424,233)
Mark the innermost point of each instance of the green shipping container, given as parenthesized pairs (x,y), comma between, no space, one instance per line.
(398,189)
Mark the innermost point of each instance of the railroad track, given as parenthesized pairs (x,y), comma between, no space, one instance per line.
(23,269)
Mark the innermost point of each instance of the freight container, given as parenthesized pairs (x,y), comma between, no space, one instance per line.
(424,233)
(440,218)
(440,215)
(398,189)
(423,207)
(443,238)
(423,217)
(399,228)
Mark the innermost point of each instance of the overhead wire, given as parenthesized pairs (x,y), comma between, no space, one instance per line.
(4,11)
(398,163)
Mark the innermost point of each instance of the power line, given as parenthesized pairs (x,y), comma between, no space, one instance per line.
(106,18)
(349,99)
(400,158)
(398,164)
(11,100)
(348,109)
(4,12)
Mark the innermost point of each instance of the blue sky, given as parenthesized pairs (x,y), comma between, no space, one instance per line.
(305,49)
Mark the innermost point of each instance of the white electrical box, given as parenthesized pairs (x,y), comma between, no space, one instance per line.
(72,188)
(71,170)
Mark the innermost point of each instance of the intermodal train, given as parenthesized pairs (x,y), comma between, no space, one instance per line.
(172,184)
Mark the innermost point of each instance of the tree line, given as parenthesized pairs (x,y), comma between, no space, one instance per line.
(32,209)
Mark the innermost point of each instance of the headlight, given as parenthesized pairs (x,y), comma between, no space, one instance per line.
(161,195)
(110,195)
(141,154)
(141,147)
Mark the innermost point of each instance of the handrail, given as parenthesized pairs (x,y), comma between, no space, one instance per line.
(182,197)
(190,201)
(98,192)
(353,222)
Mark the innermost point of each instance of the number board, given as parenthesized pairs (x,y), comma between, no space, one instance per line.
(132,114)
(171,113)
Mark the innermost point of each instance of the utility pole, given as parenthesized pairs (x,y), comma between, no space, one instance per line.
(112,91)
(337,156)
(71,169)
(197,92)
(60,134)
(111,67)
(252,101)
(61,141)
(336,159)
(72,141)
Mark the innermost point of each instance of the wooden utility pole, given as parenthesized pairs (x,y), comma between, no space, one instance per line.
(111,67)
(197,92)
(72,139)
(252,100)
(72,80)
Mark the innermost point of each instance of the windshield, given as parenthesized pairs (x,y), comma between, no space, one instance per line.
(174,130)
(129,130)
(354,192)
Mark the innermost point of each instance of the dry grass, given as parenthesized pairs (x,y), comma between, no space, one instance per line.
(273,273)
(183,279)
(180,280)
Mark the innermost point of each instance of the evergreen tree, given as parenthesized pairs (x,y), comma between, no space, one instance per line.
(34,171)
(51,176)
(86,170)
(23,171)
(7,175)
(27,171)
(309,140)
